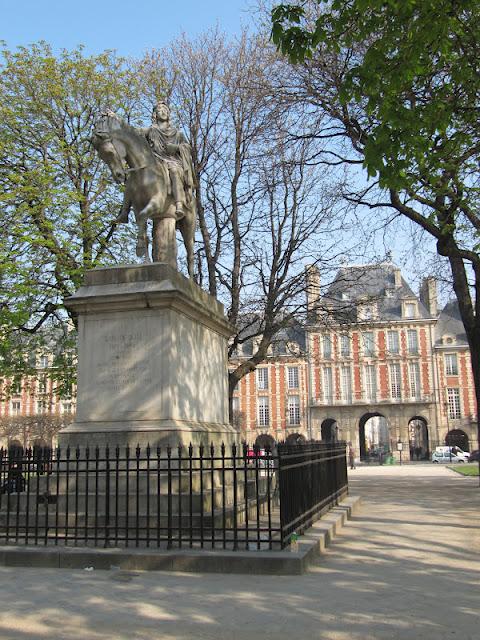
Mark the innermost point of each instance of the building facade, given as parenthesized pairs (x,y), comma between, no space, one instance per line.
(380,368)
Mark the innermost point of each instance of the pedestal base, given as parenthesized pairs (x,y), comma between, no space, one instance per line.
(152,361)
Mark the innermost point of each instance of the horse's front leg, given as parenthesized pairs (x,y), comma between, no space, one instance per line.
(142,240)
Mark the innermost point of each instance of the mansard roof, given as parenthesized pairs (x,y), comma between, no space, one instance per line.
(371,284)
(450,325)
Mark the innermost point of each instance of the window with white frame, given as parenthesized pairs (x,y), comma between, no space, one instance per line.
(410,309)
(395,381)
(451,364)
(368,344)
(453,399)
(328,384)
(292,377)
(393,344)
(43,362)
(263,411)
(412,341)
(16,408)
(345,346)
(67,407)
(327,345)
(294,409)
(42,384)
(414,375)
(370,382)
(346,383)
(42,407)
(262,378)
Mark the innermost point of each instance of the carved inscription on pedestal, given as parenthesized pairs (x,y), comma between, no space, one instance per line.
(121,365)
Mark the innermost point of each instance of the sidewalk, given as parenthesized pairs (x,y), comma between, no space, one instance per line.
(406,566)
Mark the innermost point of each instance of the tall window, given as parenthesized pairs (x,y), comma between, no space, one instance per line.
(263,412)
(294,409)
(42,407)
(327,346)
(67,406)
(370,382)
(262,378)
(328,384)
(395,382)
(43,362)
(345,346)
(368,344)
(451,364)
(292,377)
(16,387)
(235,403)
(412,341)
(346,382)
(414,371)
(42,384)
(393,344)
(453,397)
(16,408)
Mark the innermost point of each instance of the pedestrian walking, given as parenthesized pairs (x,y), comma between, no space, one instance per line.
(351,456)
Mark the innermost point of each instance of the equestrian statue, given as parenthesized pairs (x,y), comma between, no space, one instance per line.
(155,164)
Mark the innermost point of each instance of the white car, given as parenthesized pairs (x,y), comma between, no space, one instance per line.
(447,457)
(455,451)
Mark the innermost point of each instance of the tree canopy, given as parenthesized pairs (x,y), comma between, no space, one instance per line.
(56,199)
(401,82)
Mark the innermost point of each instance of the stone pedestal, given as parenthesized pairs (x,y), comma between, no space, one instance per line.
(152,361)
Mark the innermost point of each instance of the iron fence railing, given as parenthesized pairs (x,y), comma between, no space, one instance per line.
(238,497)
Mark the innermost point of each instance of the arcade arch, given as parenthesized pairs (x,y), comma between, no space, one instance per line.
(418,438)
(295,438)
(265,441)
(374,434)
(457,438)
(329,430)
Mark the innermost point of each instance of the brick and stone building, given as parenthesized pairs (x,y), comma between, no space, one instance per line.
(376,365)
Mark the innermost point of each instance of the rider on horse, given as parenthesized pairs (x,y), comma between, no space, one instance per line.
(171,148)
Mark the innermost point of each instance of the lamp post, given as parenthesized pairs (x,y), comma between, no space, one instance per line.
(400,449)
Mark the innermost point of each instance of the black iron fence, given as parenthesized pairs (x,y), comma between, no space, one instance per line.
(227,498)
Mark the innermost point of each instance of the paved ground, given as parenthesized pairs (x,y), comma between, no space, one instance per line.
(407,566)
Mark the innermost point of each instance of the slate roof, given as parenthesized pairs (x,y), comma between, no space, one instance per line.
(376,283)
(450,323)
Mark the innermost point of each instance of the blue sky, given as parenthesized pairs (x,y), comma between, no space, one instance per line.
(129,27)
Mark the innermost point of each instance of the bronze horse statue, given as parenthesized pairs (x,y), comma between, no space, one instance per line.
(147,190)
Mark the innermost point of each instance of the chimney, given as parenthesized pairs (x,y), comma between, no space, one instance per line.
(313,287)
(428,295)
(397,277)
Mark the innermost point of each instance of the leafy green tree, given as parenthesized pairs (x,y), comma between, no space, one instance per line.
(401,82)
(57,201)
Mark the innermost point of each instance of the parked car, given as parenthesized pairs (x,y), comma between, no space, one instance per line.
(447,457)
(474,456)
(455,451)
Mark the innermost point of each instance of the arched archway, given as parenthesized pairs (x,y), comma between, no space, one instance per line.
(265,441)
(418,438)
(295,438)
(374,435)
(457,438)
(329,430)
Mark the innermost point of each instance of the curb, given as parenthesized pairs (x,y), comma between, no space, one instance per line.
(310,545)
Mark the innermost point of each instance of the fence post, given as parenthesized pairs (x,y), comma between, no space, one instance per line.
(107,497)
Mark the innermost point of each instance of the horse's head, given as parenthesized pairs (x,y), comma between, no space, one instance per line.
(109,147)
